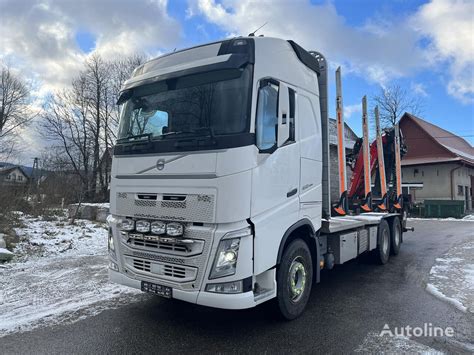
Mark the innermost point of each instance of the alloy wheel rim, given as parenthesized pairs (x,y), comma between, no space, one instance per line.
(297,279)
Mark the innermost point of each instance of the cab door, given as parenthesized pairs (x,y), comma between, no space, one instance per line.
(310,144)
(275,180)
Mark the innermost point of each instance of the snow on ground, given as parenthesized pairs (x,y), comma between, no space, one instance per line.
(468,218)
(452,277)
(59,274)
(374,343)
(95,204)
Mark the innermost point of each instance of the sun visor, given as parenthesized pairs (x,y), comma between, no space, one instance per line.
(227,61)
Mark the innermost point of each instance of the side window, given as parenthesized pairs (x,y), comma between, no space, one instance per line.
(292,115)
(267,115)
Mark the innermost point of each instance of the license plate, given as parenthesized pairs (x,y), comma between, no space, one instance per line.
(160,290)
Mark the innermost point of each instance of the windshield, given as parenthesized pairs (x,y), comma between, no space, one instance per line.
(215,103)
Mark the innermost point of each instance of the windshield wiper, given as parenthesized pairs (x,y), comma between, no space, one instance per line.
(200,140)
(194,131)
(135,138)
(208,129)
(174,133)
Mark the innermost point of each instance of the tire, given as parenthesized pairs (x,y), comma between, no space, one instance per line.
(296,265)
(382,252)
(395,236)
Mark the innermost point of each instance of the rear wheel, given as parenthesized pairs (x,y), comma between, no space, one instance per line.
(395,236)
(294,279)
(382,252)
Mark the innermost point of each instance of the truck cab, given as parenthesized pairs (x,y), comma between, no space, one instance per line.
(219,184)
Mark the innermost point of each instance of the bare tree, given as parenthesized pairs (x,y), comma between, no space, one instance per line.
(393,102)
(96,77)
(121,70)
(59,183)
(82,121)
(65,122)
(14,113)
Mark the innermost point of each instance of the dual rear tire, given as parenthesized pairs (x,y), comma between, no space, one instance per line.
(395,236)
(389,238)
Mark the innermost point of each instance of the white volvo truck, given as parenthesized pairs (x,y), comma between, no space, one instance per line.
(220,187)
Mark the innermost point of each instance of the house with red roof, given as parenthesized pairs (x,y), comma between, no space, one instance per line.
(438,165)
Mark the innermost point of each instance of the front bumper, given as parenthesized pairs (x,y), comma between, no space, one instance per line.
(210,299)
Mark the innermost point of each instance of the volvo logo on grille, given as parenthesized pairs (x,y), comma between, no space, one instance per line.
(160,164)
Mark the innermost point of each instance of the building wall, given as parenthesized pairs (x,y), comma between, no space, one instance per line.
(419,143)
(462,178)
(14,177)
(436,179)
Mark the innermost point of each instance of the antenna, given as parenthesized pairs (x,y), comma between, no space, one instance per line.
(252,34)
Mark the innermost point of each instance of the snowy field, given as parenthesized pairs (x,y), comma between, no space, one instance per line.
(468,218)
(374,343)
(59,275)
(452,277)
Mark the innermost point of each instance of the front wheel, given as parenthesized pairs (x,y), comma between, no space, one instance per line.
(294,279)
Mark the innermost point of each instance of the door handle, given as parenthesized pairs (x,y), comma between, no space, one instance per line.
(291,192)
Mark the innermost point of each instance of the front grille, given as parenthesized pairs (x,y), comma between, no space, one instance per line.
(145,203)
(175,271)
(193,208)
(168,262)
(162,270)
(142,265)
(160,245)
(158,257)
(174,246)
(173,204)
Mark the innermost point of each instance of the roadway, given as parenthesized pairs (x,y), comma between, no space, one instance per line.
(352,302)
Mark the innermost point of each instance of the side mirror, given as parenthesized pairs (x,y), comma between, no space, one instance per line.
(283,115)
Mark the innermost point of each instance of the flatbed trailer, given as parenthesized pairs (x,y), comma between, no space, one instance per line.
(347,237)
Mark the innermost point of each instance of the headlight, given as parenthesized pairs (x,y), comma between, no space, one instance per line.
(225,261)
(174,229)
(158,227)
(142,226)
(127,224)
